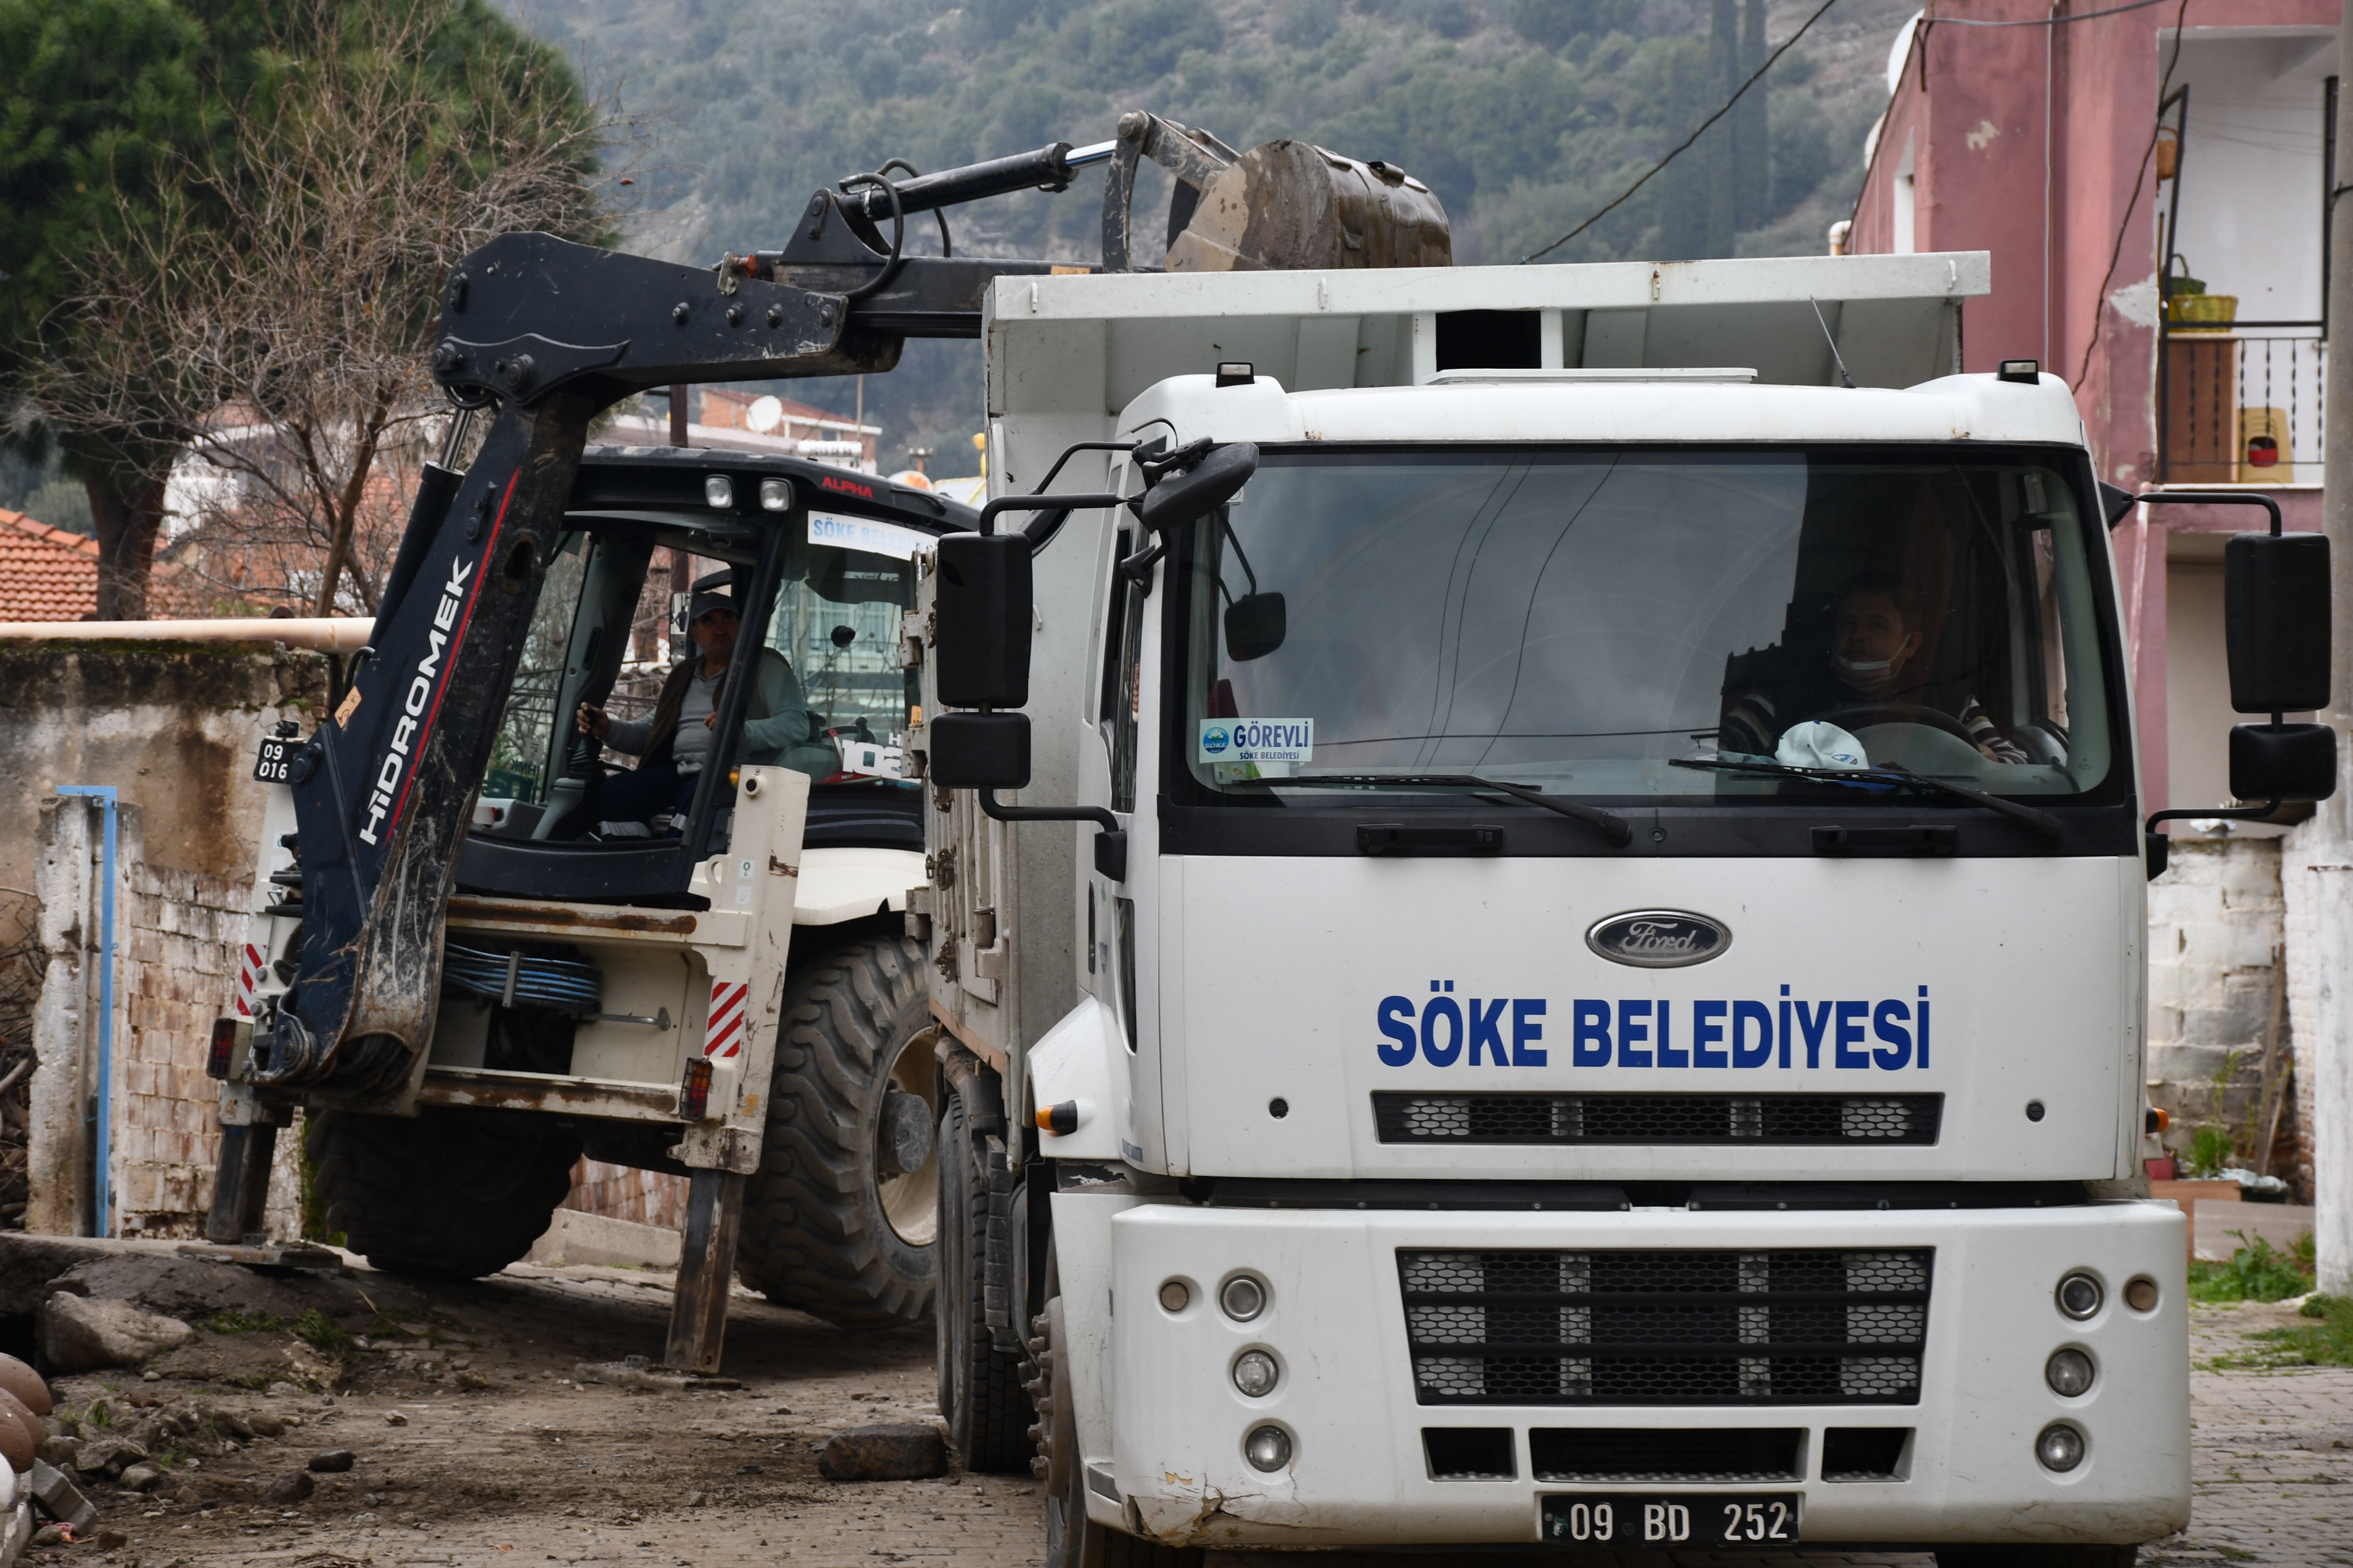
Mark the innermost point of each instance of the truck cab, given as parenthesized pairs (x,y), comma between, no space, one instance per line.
(1616,1019)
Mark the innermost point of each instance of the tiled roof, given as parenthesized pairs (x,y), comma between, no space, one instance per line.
(46,573)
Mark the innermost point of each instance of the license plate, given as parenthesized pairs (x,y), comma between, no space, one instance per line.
(1653,1519)
(276,763)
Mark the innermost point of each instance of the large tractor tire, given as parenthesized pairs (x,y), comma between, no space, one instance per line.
(841,1220)
(447,1195)
(981,1384)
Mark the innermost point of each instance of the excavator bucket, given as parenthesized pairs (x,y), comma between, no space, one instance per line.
(1285,207)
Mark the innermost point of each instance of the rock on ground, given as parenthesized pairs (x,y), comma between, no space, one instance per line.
(899,1452)
(79,1334)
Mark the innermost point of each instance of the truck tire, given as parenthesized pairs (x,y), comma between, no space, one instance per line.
(981,1392)
(1074,1541)
(446,1194)
(832,1224)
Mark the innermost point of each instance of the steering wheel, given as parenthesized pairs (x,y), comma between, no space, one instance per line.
(1860,715)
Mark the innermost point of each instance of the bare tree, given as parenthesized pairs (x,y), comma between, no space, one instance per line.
(266,332)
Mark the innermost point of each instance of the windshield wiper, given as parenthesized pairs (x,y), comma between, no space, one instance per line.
(1613,826)
(1888,773)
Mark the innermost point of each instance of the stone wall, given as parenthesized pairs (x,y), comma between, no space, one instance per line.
(2219,986)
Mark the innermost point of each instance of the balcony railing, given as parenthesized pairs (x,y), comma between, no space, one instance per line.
(2240,404)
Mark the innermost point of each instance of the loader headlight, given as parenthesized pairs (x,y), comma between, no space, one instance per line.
(2060,1447)
(719,490)
(776,495)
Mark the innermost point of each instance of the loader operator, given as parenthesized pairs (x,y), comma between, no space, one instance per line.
(1868,677)
(674,740)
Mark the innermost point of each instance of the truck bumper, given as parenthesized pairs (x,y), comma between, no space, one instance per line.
(1334,1321)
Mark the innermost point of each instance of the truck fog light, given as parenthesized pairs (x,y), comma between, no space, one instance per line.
(2060,1448)
(1255,1375)
(776,495)
(2141,1295)
(1269,1447)
(1244,1298)
(2080,1295)
(718,491)
(2069,1373)
(1173,1296)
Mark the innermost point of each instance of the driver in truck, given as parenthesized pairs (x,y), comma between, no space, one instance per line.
(673,740)
(1873,636)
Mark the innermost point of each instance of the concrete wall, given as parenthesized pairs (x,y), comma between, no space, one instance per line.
(2217,922)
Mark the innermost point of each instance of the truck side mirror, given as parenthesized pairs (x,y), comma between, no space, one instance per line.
(2283,762)
(1255,625)
(2275,609)
(980,638)
(980,751)
(2275,592)
(1181,499)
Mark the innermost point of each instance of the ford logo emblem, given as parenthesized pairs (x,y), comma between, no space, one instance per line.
(1658,939)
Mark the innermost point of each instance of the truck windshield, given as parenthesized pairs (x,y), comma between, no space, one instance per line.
(1577,620)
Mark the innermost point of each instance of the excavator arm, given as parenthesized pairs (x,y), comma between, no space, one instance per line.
(545,334)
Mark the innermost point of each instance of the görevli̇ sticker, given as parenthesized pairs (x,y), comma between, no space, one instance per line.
(1257,740)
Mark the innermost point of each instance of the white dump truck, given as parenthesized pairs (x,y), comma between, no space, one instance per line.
(1538,899)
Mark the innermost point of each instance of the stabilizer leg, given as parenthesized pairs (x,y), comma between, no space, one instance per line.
(697,1314)
(241,1182)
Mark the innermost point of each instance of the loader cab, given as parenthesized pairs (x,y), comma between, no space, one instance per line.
(820,561)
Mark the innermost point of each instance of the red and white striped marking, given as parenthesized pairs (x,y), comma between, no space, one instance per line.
(722,1033)
(248,972)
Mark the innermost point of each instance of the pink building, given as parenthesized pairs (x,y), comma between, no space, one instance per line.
(2040,141)
(2094,157)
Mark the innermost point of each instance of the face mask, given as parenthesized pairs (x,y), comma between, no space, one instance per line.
(1873,676)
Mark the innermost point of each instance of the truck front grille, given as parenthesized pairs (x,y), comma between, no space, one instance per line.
(1784,1327)
(1733,1119)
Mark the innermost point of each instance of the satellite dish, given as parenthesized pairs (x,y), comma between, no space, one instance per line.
(764,414)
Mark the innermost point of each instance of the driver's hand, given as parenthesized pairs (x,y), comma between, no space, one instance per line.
(711,720)
(594,720)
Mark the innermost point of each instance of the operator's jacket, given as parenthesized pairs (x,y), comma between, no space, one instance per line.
(778,727)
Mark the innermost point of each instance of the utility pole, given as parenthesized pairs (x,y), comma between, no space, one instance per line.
(2330,1057)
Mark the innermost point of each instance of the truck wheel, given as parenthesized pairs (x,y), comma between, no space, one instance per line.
(840,1221)
(2037,1556)
(981,1392)
(445,1193)
(1074,1541)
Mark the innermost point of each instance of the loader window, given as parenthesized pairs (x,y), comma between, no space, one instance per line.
(837,624)
(1576,620)
(523,754)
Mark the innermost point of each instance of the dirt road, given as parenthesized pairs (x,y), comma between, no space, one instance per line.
(474,1442)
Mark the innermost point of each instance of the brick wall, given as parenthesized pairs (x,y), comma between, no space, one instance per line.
(620,1191)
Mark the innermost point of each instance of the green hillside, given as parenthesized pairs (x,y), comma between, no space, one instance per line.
(1523,115)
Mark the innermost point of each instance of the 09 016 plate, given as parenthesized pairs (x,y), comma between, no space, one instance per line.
(275,763)
(1670,1519)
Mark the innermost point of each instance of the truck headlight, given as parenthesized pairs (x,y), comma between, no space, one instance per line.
(2069,1372)
(2060,1447)
(1267,1448)
(1244,1298)
(2080,1295)
(1255,1373)
(776,495)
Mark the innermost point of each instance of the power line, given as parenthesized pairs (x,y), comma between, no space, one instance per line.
(1694,136)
